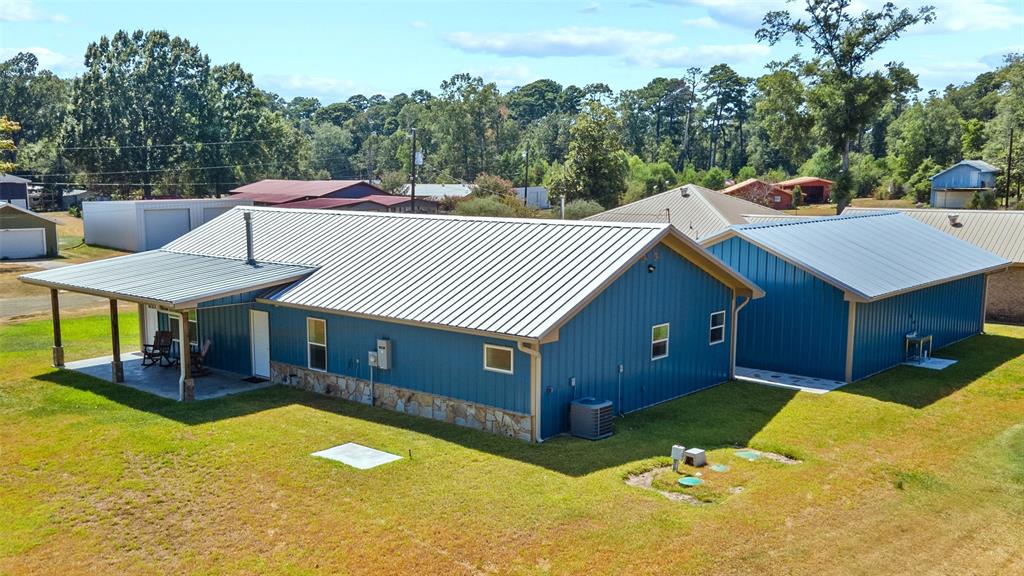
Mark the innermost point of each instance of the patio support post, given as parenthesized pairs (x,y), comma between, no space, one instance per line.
(186,386)
(58,346)
(116,369)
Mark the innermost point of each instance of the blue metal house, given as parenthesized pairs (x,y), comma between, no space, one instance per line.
(954,186)
(844,292)
(496,324)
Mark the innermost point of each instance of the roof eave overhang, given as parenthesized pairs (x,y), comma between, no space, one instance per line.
(851,295)
(187,304)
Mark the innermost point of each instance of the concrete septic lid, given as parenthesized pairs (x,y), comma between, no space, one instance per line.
(357,456)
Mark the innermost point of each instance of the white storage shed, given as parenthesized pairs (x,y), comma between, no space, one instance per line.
(140,225)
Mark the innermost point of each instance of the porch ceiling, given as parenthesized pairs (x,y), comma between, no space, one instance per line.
(167,279)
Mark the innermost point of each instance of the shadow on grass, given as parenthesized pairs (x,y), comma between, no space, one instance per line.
(921,387)
(726,415)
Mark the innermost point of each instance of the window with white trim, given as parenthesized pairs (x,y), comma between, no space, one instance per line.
(498,359)
(659,341)
(716,330)
(316,343)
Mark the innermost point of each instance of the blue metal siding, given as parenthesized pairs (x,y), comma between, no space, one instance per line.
(949,312)
(616,329)
(434,361)
(799,327)
(963,176)
(225,322)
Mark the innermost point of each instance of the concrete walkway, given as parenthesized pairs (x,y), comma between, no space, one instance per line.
(783,380)
(163,381)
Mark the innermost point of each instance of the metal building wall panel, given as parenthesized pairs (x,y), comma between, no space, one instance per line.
(434,361)
(615,329)
(799,327)
(949,312)
(225,322)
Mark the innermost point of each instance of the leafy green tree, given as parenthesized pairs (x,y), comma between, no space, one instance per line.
(36,99)
(782,125)
(1009,117)
(929,129)
(595,168)
(919,185)
(745,173)
(333,151)
(798,196)
(726,92)
(580,209)
(8,128)
(534,101)
(484,206)
(983,200)
(393,182)
(843,96)
(714,178)
(490,185)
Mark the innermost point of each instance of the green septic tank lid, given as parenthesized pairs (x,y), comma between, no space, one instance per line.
(748,455)
(690,481)
(719,468)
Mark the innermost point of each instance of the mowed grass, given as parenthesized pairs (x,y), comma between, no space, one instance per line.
(911,472)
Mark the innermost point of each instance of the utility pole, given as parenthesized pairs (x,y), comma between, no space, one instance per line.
(1009,171)
(412,203)
(526,174)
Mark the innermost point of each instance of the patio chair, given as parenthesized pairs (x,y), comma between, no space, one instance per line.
(198,358)
(159,351)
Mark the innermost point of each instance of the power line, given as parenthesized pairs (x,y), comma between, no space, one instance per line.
(159,170)
(182,145)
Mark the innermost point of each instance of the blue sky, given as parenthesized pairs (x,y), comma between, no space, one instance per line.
(332,50)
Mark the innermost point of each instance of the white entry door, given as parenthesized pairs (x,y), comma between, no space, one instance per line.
(259,330)
(152,325)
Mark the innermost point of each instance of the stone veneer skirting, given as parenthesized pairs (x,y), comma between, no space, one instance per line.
(451,410)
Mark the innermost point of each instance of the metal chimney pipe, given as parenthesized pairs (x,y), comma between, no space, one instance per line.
(249,258)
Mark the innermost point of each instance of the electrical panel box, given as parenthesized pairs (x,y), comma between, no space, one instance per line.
(384,354)
(372,359)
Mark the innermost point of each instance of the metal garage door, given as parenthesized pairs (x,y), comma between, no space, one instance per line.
(164,225)
(22,243)
(211,212)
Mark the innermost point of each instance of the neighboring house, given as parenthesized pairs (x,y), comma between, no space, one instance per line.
(139,225)
(75,198)
(812,190)
(954,186)
(694,210)
(276,192)
(536,197)
(998,231)
(761,192)
(14,190)
(468,327)
(25,234)
(373,203)
(843,292)
(437,192)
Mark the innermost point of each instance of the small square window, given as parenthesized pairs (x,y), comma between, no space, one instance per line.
(659,341)
(498,359)
(716,334)
(316,343)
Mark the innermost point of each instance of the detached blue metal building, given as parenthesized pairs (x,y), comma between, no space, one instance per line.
(954,186)
(496,324)
(843,292)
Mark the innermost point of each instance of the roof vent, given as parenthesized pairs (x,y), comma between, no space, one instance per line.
(684,192)
(249,258)
(954,220)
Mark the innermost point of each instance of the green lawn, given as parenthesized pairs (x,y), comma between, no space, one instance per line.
(909,472)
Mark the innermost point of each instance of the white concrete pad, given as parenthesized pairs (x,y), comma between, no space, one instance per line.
(783,380)
(357,456)
(931,363)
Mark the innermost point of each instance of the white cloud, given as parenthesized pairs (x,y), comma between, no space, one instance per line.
(419,24)
(568,41)
(506,76)
(326,88)
(702,22)
(593,8)
(974,16)
(703,55)
(24,11)
(48,59)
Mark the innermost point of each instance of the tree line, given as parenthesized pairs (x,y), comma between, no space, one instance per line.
(150,115)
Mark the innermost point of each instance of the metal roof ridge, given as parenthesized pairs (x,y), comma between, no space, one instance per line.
(811,220)
(222,257)
(397,215)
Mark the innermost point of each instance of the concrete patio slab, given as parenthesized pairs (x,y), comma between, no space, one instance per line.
(783,380)
(162,381)
(357,456)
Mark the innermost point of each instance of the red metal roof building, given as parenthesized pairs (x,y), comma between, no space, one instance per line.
(275,192)
(372,203)
(761,192)
(814,190)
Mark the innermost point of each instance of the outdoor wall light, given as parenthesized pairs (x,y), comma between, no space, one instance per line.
(650,268)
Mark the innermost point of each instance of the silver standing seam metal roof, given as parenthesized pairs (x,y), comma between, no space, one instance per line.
(696,211)
(871,256)
(980,165)
(518,278)
(1001,232)
(167,279)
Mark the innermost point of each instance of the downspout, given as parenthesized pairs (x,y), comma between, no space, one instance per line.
(533,349)
(735,328)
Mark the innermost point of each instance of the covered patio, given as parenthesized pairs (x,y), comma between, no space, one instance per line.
(178,286)
(165,381)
